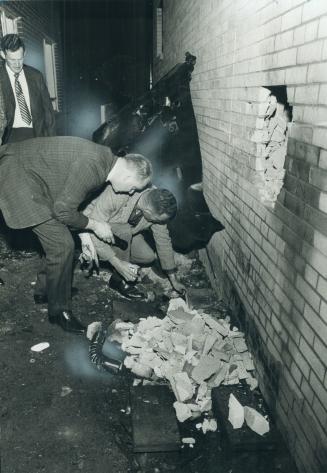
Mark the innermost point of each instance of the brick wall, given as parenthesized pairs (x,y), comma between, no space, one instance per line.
(271,260)
(39,21)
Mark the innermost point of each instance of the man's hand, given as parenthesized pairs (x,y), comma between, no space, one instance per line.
(176,285)
(102,230)
(88,251)
(127,270)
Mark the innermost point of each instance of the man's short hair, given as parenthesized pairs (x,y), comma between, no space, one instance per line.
(163,202)
(11,42)
(141,165)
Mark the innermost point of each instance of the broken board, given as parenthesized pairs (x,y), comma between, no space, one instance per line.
(242,439)
(154,420)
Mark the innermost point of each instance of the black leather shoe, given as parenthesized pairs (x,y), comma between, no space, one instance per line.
(127,290)
(43,298)
(67,322)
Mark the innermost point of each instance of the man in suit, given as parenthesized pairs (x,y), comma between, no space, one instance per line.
(27,105)
(130,218)
(43,182)
(3,121)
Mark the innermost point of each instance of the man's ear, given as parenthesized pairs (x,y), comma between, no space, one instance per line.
(3,55)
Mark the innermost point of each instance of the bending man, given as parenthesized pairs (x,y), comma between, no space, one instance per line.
(43,182)
(129,217)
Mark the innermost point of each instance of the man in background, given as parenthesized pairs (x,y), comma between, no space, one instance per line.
(27,105)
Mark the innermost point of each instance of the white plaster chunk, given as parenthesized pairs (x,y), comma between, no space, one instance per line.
(256,421)
(236,412)
(183,411)
(176,303)
(215,325)
(210,340)
(183,387)
(207,367)
(252,382)
(188,440)
(40,347)
(240,345)
(92,329)
(247,360)
(209,425)
(216,380)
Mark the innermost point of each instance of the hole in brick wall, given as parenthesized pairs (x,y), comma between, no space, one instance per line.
(271,135)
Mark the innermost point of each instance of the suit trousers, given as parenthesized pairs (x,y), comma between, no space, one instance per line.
(55,277)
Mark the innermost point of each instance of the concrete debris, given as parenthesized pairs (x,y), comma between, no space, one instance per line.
(256,421)
(183,411)
(183,387)
(40,347)
(65,390)
(92,329)
(209,425)
(191,350)
(236,412)
(188,440)
(252,382)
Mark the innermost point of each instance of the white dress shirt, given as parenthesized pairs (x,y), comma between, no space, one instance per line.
(18,121)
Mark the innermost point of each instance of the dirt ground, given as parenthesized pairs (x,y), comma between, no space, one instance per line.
(58,414)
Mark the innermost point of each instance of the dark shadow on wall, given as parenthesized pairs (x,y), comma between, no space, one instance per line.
(161,125)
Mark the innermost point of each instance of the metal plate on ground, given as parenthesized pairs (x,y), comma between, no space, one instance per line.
(154,421)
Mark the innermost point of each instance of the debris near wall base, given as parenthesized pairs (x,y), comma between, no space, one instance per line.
(192,350)
(236,412)
(256,421)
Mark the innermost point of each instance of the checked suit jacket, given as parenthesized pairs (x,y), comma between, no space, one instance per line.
(46,178)
(41,107)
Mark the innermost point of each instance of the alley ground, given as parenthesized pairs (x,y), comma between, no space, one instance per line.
(60,415)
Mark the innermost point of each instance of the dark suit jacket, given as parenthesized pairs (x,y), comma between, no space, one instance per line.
(41,107)
(46,178)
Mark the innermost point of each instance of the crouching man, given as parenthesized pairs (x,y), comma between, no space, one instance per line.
(129,217)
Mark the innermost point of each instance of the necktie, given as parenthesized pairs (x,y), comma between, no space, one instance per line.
(24,111)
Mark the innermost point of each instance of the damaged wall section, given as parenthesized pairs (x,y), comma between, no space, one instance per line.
(270,263)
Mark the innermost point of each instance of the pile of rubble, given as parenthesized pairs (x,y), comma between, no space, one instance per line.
(191,349)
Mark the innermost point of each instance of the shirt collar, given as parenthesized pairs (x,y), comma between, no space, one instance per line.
(12,74)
